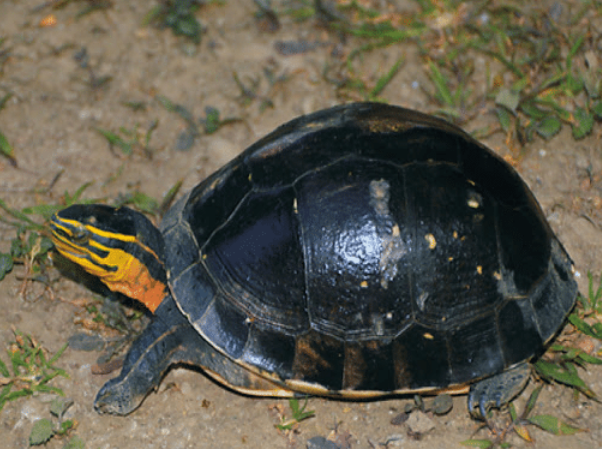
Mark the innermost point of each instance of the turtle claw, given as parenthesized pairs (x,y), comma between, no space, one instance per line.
(116,399)
(498,390)
(124,394)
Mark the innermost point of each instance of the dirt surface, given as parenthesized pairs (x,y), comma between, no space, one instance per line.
(51,119)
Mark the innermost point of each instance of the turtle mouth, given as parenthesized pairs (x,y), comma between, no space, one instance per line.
(64,242)
(86,256)
(67,249)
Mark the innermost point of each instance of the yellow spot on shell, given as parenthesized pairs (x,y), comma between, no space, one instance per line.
(497,275)
(428,336)
(479,269)
(431,239)
(455,234)
(364,284)
(450,259)
(473,203)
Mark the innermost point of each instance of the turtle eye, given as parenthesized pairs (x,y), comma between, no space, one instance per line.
(80,236)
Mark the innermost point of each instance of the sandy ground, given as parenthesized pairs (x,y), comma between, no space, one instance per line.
(51,121)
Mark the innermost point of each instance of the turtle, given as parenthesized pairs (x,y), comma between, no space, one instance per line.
(358,252)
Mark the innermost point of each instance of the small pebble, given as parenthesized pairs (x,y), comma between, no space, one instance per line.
(320,443)
(85,342)
(420,423)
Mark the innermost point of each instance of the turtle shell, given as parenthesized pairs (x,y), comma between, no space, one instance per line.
(368,248)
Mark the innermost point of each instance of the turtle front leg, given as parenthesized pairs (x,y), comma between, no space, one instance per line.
(159,346)
(497,390)
(170,339)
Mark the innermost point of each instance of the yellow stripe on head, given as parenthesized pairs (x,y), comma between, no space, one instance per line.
(112,245)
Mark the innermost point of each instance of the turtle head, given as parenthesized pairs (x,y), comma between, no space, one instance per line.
(118,245)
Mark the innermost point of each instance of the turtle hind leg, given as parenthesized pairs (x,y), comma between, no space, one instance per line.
(495,391)
(146,362)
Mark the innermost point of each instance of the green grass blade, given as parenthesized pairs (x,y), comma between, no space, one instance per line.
(7,150)
(386,78)
(553,425)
